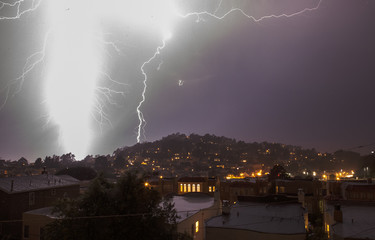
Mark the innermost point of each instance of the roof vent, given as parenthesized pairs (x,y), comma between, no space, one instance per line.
(226,207)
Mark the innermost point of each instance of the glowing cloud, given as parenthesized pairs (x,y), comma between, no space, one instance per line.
(73,50)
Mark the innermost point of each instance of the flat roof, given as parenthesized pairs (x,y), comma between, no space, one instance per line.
(261,217)
(37,182)
(358,221)
(189,204)
(47,211)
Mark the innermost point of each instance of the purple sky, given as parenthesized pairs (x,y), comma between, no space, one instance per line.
(308,80)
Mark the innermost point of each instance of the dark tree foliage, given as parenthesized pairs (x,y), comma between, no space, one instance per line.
(80,173)
(277,172)
(126,210)
(38,163)
(101,163)
(119,162)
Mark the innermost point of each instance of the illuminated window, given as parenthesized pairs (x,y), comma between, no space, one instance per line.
(198,187)
(181,188)
(277,189)
(189,187)
(193,187)
(197,226)
(185,187)
(282,189)
(210,189)
(213,188)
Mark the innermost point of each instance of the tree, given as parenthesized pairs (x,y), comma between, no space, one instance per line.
(80,173)
(277,172)
(119,162)
(126,210)
(38,163)
(101,163)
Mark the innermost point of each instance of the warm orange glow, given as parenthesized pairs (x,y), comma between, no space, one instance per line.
(231,176)
(146,184)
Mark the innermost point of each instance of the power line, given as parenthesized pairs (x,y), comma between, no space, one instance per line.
(148,213)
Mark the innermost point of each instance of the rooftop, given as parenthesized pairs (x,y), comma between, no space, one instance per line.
(47,211)
(261,217)
(189,204)
(358,221)
(32,183)
(192,179)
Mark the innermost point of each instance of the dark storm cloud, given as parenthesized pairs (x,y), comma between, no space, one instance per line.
(306,80)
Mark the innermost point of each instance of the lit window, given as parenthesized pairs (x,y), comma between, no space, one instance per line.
(210,189)
(198,187)
(185,187)
(181,188)
(193,187)
(213,188)
(189,187)
(197,226)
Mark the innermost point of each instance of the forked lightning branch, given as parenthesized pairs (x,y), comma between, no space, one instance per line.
(74,96)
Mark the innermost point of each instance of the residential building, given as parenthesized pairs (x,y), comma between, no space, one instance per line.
(193,209)
(349,220)
(22,194)
(231,189)
(197,184)
(312,189)
(34,222)
(264,218)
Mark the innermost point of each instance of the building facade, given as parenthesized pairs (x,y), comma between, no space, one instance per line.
(22,194)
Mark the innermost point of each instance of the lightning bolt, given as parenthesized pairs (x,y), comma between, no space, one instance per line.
(17,6)
(199,17)
(213,15)
(104,95)
(33,60)
(142,121)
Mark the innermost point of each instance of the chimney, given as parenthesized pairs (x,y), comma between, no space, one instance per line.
(11,185)
(337,214)
(217,202)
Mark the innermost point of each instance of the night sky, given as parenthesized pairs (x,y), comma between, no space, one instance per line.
(308,80)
